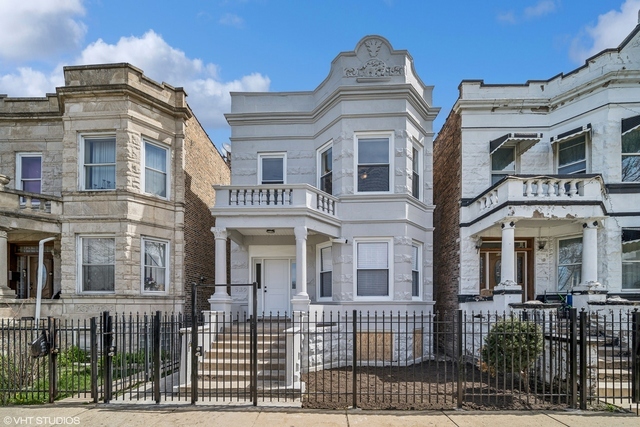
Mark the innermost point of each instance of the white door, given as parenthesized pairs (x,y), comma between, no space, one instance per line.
(275,287)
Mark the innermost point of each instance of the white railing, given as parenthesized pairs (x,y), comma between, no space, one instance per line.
(541,188)
(30,202)
(278,196)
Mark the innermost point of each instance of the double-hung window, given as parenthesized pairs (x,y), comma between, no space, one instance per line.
(29,172)
(271,168)
(373,164)
(326,272)
(99,168)
(503,163)
(415,270)
(572,155)
(326,170)
(631,259)
(569,263)
(372,269)
(631,156)
(97,264)
(154,265)
(156,166)
(415,172)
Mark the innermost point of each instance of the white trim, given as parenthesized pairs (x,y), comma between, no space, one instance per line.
(319,152)
(143,174)
(282,155)
(364,135)
(587,152)
(557,260)
(420,168)
(319,248)
(419,246)
(81,166)
(79,284)
(18,181)
(167,254)
(389,242)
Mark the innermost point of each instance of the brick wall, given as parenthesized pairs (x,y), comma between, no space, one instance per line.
(204,167)
(447,193)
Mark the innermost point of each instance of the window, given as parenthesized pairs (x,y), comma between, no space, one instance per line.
(569,263)
(154,265)
(631,156)
(326,170)
(631,259)
(155,170)
(99,163)
(97,255)
(372,269)
(572,155)
(29,172)
(415,270)
(325,266)
(271,168)
(503,163)
(373,164)
(415,168)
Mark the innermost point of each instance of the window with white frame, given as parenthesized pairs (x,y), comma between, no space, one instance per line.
(155,272)
(372,269)
(415,270)
(503,163)
(325,268)
(631,156)
(569,263)
(156,167)
(325,164)
(99,162)
(631,259)
(572,155)
(97,264)
(415,175)
(271,168)
(29,172)
(373,164)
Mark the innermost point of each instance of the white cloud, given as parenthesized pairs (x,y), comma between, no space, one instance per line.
(232,20)
(507,17)
(208,94)
(543,7)
(37,29)
(609,32)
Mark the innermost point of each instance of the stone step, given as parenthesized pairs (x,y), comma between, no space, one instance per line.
(614,374)
(611,388)
(240,375)
(242,344)
(240,389)
(230,364)
(617,351)
(614,363)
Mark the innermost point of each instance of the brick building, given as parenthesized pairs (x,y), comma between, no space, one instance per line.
(109,181)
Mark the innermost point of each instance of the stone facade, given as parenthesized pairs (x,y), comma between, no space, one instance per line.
(161,201)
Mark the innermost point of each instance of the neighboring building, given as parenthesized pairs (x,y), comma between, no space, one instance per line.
(116,171)
(338,180)
(537,187)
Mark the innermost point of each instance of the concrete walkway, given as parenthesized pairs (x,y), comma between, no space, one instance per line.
(61,414)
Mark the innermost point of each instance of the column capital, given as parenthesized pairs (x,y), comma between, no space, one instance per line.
(590,223)
(509,224)
(3,234)
(300,232)
(220,233)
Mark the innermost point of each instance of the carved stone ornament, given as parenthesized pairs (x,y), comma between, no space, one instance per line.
(373,47)
(374,68)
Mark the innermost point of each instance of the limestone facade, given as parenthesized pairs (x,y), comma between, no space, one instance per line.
(118,171)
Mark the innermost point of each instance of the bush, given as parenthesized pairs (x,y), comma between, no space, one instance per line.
(73,354)
(512,346)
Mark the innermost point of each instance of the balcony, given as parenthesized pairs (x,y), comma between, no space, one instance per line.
(25,203)
(531,191)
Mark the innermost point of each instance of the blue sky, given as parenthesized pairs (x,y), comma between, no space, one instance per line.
(211,47)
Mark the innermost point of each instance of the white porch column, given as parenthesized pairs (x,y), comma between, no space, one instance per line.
(507,291)
(300,301)
(5,292)
(589,289)
(220,300)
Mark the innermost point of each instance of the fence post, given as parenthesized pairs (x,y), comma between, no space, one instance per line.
(459,357)
(53,358)
(156,357)
(107,340)
(94,358)
(194,344)
(573,362)
(254,344)
(354,360)
(635,359)
(584,381)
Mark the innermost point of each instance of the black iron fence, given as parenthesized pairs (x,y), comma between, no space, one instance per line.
(528,359)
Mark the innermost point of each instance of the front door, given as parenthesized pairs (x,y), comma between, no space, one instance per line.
(275,286)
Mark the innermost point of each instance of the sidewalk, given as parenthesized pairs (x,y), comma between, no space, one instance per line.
(247,416)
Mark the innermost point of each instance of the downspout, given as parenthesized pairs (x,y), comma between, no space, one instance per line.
(41,277)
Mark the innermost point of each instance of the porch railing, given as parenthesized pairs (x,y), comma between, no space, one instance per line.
(23,201)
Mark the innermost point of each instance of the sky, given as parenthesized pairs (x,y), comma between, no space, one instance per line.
(212,47)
